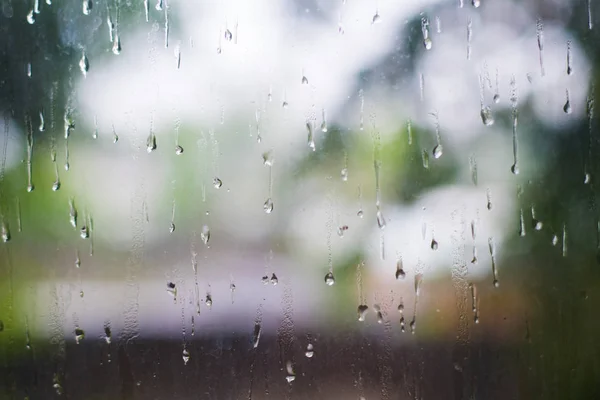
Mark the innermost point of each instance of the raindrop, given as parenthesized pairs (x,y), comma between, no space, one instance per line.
(496,98)
(437,151)
(514,169)
(31,17)
(434,244)
(344,174)
(274,279)
(87,7)
(304,80)
(360,214)
(159,5)
(178,150)
(151,142)
(79,335)
(400,274)
(362,312)
(311,137)
(205,234)
(476,3)
(217,183)
(228,35)
(522,231)
(208,301)
(341,230)
(265,279)
(268,206)
(380,220)
(290,373)
(185,356)
(116,49)
(329,279)
(256,335)
(379,314)
(171,227)
(376,18)
(84,232)
(56,185)
(29,70)
(172,289)
(554,240)
(486,116)
(535,223)
(567,107)
(268,158)
(309,351)
(5,232)
(42,126)
(84,64)
(425,29)
(425,157)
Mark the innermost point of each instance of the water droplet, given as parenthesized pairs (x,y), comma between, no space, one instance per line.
(265,279)
(205,234)
(341,230)
(329,279)
(324,126)
(56,185)
(116,49)
(5,232)
(31,17)
(486,116)
(268,206)
(567,107)
(427,43)
(514,169)
(400,274)
(376,18)
(84,64)
(537,225)
(208,301)
(413,326)
(380,220)
(217,183)
(437,151)
(309,351)
(274,279)
(344,174)
(284,104)
(362,312)
(476,3)
(178,150)
(268,158)
(554,240)
(84,232)
(290,378)
(151,142)
(496,283)
(256,335)
(496,98)
(171,227)
(79,335)
(186,356)
(360,214)
(304,80)
(228,35)
(587,178)
(30,187)
(87,7)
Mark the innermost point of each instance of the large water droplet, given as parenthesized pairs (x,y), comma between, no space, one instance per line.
(87,7)
(268,206)
(31,17)
(304,80)
(362,312)
(84,64)
(178,150)
(205,234)
(567,107)
(5,232)
(438,151)
(217,183)
(228,35)
(486,116)
(274,279)
(151,142)
(329,279)
(344,174)
(309,351)
(186,356)
(116,49)
(380,220)
(79,335)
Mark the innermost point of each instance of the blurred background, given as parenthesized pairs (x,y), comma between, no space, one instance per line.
(299,199)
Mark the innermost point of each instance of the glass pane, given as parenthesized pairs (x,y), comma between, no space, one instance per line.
(299,199)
